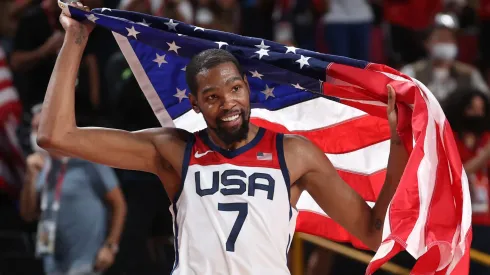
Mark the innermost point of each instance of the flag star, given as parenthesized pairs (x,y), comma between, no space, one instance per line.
(132,32)
(221,44)
(268,92)
(183,69)
(198,29)
(262,46)
(173,47)
(160,59)
(171,25)
(106,9)
(291,49)
(180,94)
(91,17)
(262,52)
(303,61)
(256,74)
(179,34)
(144,23)
(297,86)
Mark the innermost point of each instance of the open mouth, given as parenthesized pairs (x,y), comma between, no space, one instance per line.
(230,118)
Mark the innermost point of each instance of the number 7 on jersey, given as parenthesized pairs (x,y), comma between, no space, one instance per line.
(242,209)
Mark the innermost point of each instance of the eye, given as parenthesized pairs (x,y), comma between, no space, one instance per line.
(212,97)
(236,88)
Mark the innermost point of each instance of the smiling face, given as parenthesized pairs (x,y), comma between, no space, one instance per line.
(222,95)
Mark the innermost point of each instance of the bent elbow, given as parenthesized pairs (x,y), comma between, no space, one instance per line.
(48,142)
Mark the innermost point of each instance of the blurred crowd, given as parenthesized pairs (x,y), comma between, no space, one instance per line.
(61,215)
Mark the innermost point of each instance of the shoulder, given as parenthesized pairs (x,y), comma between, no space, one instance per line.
(464,68)
(166,135)
(299,146)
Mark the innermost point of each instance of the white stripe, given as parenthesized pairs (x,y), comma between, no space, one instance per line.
(312,114)
(307,203)
(144,82)
(368,160)
(426,177)
(5,74)
(8,95)
(383,250)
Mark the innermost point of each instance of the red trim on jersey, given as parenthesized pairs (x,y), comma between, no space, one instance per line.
(267,145)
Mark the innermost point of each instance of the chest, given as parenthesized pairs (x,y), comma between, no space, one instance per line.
(227,180)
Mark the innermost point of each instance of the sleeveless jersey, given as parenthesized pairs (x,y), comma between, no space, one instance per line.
(232,215)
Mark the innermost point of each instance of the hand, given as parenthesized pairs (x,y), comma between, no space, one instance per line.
(391,110)
(35,163)
(53,44)
(105,258)
(81,30)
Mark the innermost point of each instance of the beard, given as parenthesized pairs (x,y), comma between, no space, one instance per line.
(236,134)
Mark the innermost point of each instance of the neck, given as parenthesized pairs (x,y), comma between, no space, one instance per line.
(252,132)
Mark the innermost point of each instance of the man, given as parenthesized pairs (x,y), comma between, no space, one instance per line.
(234,186)
(81,213)
(442,73)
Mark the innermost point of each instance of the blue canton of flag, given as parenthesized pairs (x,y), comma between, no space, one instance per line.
(158,50)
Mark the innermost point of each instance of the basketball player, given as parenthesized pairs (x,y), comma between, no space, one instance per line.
(234,186)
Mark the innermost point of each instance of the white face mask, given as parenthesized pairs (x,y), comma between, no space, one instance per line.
(444,51)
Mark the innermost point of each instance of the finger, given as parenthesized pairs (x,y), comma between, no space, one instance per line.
(391,98)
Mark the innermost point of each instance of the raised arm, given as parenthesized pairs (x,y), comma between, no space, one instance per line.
(58,131)
(344,205)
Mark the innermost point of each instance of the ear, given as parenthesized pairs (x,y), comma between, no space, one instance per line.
(193,101)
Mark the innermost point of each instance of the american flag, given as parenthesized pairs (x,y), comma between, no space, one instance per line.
(338,103)
(12,164)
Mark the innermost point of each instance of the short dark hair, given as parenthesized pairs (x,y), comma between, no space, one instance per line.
(205,60)
(456,103)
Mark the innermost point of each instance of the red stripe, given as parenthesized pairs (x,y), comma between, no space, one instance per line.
(5,83)
(316,224)
(368,186)
(347,136)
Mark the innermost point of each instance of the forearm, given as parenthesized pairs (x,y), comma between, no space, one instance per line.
(58,115)
(116,222)
(397,161)
(24,60)
(29,205)
(477,163)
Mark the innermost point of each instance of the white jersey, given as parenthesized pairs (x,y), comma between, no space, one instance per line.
(233,214)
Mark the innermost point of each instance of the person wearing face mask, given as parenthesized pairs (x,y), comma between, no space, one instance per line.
(467,111)
(441,72)
(79,207)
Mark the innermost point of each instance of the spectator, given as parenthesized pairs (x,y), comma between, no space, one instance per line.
(441,73)
(38,38)
(408,21)
(348,28)
(468,113)
(297,22)
(72,194)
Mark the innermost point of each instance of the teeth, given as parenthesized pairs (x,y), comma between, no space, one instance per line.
(230,118)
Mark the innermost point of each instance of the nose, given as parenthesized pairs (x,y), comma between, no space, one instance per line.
(228,102)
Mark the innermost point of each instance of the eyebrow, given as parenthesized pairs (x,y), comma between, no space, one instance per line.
(228,81)
(232,79)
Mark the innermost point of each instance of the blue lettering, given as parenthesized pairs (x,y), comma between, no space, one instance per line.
(234,183)
(204,192)
(253,185)
(239,184)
